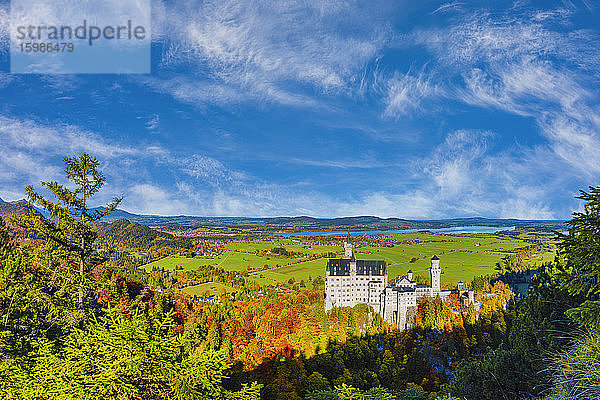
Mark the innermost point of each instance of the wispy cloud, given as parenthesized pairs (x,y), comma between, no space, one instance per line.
(463,176)
(406,93)
(35,138)
(521,65)
(447,7)
(194,184)
(33,151)
(454,179)
(153,122)
(272,51)
(4,27)
(152,199)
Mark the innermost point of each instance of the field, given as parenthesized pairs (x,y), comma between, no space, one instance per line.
(462,256)
(210,288)
(230,260)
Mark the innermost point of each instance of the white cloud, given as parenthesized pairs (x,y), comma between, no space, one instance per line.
(463,177)
(152,199)
(32,151)
(267,51)
(194,91)
(209,170)
(5,79)
(454,180)
(153,122)
(520,65)
(451,164)
(447,7)
(241,41)
(406,93)
(4,27)
(203,185)
(37,139)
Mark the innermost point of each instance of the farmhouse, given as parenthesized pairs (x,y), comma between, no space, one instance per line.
(349,282)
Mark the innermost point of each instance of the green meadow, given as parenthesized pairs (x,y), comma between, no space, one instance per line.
(230,260)
(210,289)
(461,256)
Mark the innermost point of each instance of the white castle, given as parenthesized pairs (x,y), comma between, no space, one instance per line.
(349,282)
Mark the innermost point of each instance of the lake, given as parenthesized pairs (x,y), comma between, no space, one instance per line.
(456,230)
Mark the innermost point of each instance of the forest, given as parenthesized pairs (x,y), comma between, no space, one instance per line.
(78,322)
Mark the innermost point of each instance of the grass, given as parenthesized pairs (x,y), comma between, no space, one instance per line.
(289,244)
(301,271)
(576,371)
(213,288)
(462,257)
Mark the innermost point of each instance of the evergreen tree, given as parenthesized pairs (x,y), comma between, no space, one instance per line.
(575,371)
(580,249)
(213,338)
(120,357)
(19,311)
(501,374)
(68,228)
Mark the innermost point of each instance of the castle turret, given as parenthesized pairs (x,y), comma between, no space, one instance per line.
(409,275)
(348,248)
(435,273)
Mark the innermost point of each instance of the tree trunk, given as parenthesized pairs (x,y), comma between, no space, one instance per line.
(82,256)
(81,273)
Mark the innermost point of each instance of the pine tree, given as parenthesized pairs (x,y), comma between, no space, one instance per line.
(213,338)
(120,357)
(580,248)
(69,226)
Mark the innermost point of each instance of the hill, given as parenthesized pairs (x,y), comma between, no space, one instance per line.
(132,234)
(303,223)
(300,223)
(19,207)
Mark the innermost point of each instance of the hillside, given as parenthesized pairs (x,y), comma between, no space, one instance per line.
(19,207)
(131,234)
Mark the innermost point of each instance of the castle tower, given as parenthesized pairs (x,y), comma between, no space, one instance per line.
(348,248)
(435,272)
(409,275)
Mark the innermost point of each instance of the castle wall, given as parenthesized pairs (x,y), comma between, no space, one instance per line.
(396,303)
(350,290)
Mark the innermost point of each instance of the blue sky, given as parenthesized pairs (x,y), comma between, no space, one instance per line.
(390,108)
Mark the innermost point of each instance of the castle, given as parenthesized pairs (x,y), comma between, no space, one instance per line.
(349,282)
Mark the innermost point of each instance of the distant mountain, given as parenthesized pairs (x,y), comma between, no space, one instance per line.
(118,214)
(301,223)
(19,207)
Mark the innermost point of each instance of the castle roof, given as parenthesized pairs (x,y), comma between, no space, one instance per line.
(341,267)
(401,288)
(435,258)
